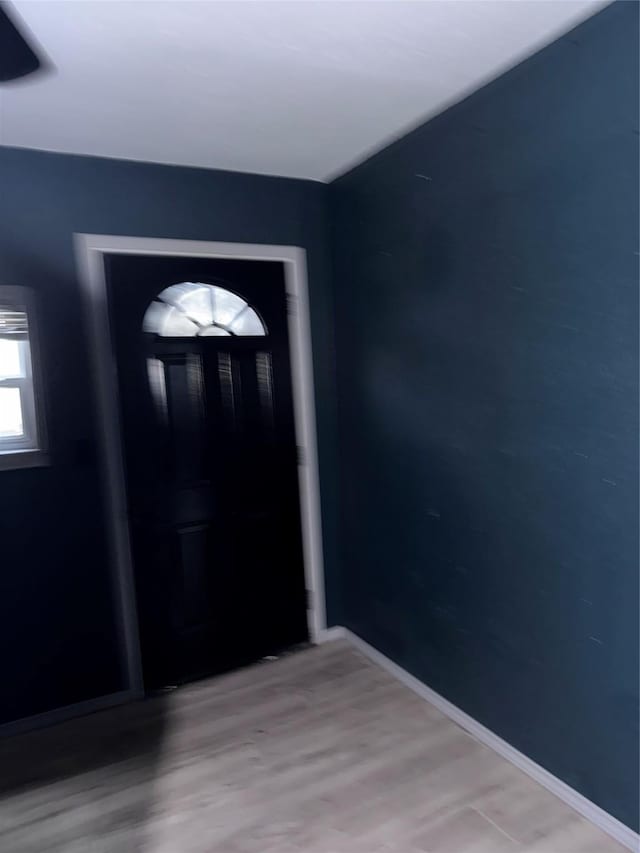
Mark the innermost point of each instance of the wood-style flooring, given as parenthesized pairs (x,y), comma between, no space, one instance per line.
(321,751)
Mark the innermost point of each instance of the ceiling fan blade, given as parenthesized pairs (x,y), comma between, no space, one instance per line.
(17,58)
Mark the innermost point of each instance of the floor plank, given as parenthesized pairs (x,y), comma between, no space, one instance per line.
(321,751)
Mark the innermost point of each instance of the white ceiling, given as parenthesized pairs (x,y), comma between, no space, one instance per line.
(304,89)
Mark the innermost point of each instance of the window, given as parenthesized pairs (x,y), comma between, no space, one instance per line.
(21,426)
(192,309)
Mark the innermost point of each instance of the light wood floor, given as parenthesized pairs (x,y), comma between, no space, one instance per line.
(321,752)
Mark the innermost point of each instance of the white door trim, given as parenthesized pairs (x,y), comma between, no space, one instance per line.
(90,249)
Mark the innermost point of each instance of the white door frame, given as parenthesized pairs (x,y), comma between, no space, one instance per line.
(90,249)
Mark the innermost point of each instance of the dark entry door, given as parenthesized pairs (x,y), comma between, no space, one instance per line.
(210,458)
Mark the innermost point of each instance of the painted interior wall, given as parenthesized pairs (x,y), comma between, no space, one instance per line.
(485,288)
(486,298)
(57,628)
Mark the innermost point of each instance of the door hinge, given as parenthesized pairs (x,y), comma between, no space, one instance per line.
(292,304)
(301,456)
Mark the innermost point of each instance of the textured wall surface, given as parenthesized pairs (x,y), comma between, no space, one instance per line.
(57,615)
(486,294)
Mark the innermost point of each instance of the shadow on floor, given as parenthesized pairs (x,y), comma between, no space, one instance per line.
(83,786)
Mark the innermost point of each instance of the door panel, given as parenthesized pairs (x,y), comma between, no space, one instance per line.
(210,461)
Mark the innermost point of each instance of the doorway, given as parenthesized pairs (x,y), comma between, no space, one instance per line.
(219,560)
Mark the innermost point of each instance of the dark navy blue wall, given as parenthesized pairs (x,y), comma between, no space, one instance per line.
(486,293)
(57,632)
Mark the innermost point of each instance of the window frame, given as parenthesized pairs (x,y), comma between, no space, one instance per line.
(30,449)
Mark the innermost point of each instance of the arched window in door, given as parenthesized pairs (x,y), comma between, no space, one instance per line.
(193,309)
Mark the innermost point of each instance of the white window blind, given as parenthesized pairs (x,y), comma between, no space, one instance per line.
(21,426)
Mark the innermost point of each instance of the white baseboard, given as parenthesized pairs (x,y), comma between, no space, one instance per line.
(593,813)
(59,715)
(337,632)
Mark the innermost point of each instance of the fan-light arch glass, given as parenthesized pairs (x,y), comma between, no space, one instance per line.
(193,309)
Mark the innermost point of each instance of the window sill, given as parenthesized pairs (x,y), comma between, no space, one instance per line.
(11,459)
